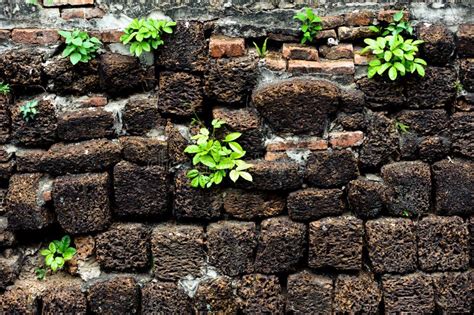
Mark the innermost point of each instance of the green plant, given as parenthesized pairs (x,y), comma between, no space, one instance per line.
(29,110)
(143,35)
(311,24)
(396,27)
(215,158)
(40,273)
(457,85)
(262,52)
(401,127)
(57,253)
(80,47)
(4,88)
(406,213)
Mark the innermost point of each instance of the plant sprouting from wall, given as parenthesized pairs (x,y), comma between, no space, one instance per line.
(261,51)
(311,24)
(4,88)
(214,159)
(398,26)
(80,47)
(29,110)
(56,255)
(146,34)
(401,127)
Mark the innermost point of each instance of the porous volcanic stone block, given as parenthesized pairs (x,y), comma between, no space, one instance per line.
(81,202)
(357,294)
(140,115)
(309,293)
(366,197)
(164,298)
(216,295)
(438,46)
(117,295)
(21,66)
(465,42)
(453,292)
(140,190)
(248,205)
(336,242)
(231,80)
(412,293)
(177,143)
(231,246)
(409,187)
(145,151)
(64,299)
(382,94)
(195,203)
(391,244)
(443,243)
(311,204)
(178,251)
(453,185)
(18,301)
(331,168)
(471,239)
(273,175)
(5,121)
(40,131)
(260,294)
(10,265)
(281,245)
(424,122)
(7,237)
(297,106)
(25,209)
(462,133)
(7,169)
(121,74)
(181,94)
(186,49)
(85,124)
(124,247)
(466,74)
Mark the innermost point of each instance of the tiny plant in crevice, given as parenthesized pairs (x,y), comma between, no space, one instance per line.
(311,24)
(215,159)
(398,26)
(401,127)
(457,85)
(56,255)
(80,47)
(146,34)
(4,88)
(261,51)
(29,110)
(406,213)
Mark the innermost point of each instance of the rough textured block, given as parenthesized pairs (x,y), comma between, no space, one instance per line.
(145,151)
(299,52)
(248,205)
(140,191)
(408,187)
(21,67)
(216,296)
(337,67)
(466,74)
(5,121)
(231,246)
(85,124)
(443,243)
(281,245)
(424,122)
(224,46)
(391,244)
(366,197)
(453,292)
(124,247)
(438,46)
(465,43)
(412,293)
(7,237)
(346,139)
(10,265)
(260,294)
(178,251)
(382,94)
(331,168)
(117,295)
(336,242)
(140,115)
(18,300)
(341,51)
(309,293)
(164,298)
(311,204)
(180,94)
(357,294)
(81,202)
(54,3)
(462,133)
(6,170)
(354,33)
(64,299)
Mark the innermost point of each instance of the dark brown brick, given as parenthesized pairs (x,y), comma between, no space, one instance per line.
(453,292)
(117,295)
(424,122)
(216,295)
(357,294)
(331,168)
(164,298)
(462,133)
(438,47)
(19,300)
(248,205)
(465,43)
(5,121)
(260,294)
(145,151)
(382,94)
(85,124)
(309,293)
(64,299)
(366,197)
(140,115)
(21,67)
(312,204)
(11,262)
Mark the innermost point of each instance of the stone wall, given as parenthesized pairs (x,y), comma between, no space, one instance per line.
(345,214)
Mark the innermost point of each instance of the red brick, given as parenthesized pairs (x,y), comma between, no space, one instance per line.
(274,156)
(326,34)
(82,13)
(223,46)
(299,52)
(332,21)
(108,36)
(341,51)
(387,15)
(57,3)
(275,61)
(93,101)
(361,60)
(329,67)
(35,36)
(346,139)
(312,143)
(4,34)
(361,18)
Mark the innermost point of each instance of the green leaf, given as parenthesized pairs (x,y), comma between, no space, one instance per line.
(374,29)
(242,165)
(54,266)
(383,67)
(400,67)
(64,34)
(45,252)
(392,73)
(192,173)
(52,248)
(77,41)
(69,253)
(225,164)
(247,176)
(420,61)
(192,149)
(208,161)
(49,259)
(387,55)
(375,62)
(68,50)
(232,136)
(195,182)
(398,16)
(420,70)
(234,175)
(75,58)
(235,147)
(372,71)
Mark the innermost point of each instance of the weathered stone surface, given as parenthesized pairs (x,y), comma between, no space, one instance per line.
(298,105)
(366,197)
(40,131)
(341,51)
(140,191)
(424,122)
(311,204)
(336,242)
(299,52)
(64,299)
(81,202)
(6,170)
(186,49)
(438,46)
(224,46)
(5,121)
(180,94)
(117,295)
(408,187)
(260,294)
(140,115)
(354,33)
(273,175)
(21,67)
(382,94)
(24,209)
(121,74)
(331,168)
(145,151)
(18,300)
(10,266)
(465,42)
(231,246)
(178,251)
(231,80)
(453,292)
(124,247)
(453,185)
(309,293)
(281,245)
(177,143)
(411,293)
(391,244)
(248,205)
(357,293)
(85,124)
(462,133)
(470,222)
(355,121)
(352,100)
(216,296)
(164,298)
(195,203)
(466,74)
(7,237)
(443,243)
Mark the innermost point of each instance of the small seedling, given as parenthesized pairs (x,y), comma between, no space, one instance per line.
(406,213)
(262,52)
(29,110)
(458,86)
(57,253)
(40,273)
(311,24)
(401,127)
(396,27)
(80,47)
(4,88)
